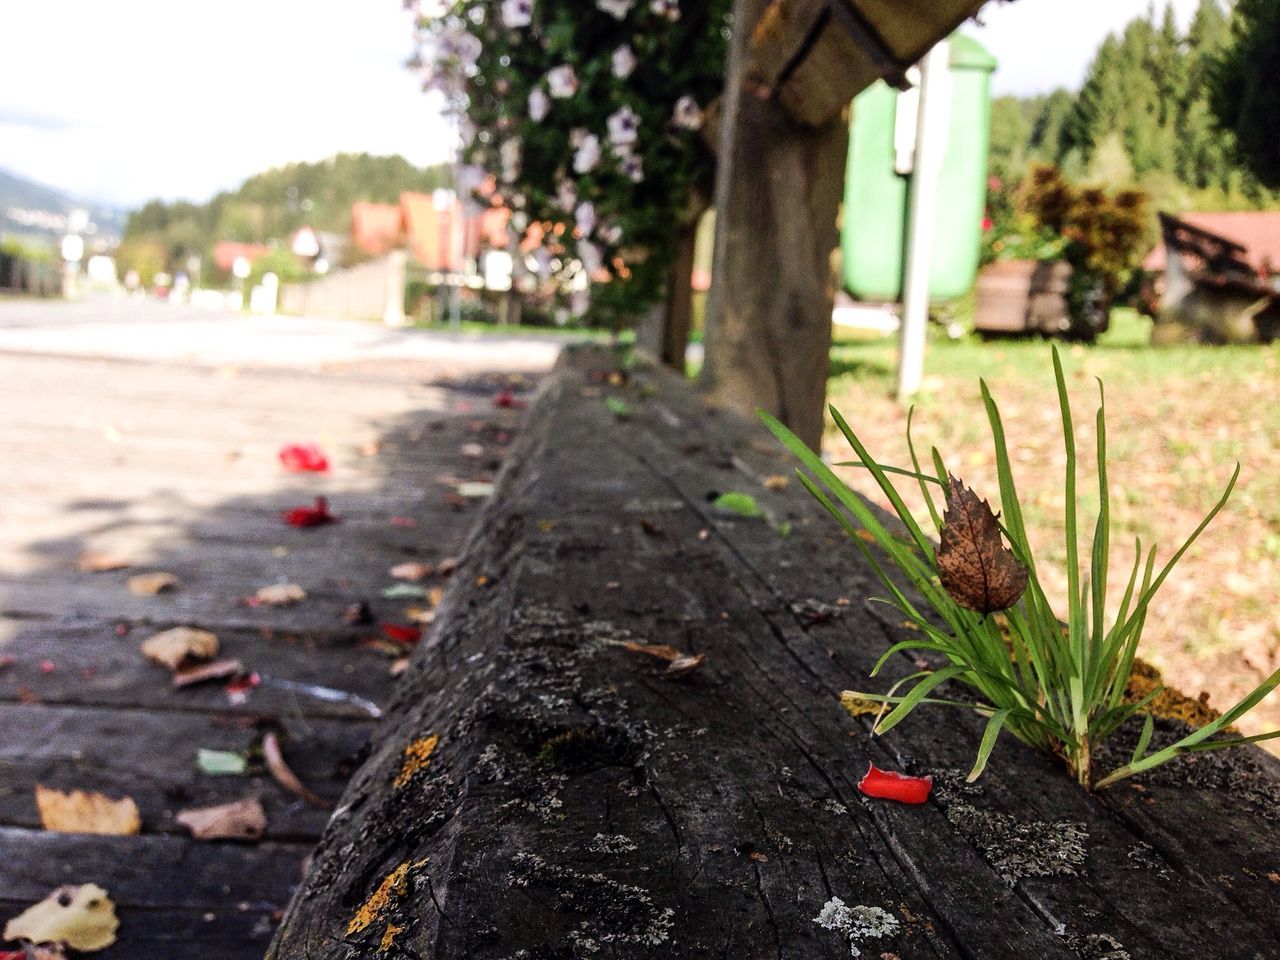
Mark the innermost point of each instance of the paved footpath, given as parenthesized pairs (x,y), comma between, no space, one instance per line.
(129,434)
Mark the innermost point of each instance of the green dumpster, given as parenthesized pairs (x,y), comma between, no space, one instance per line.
(873,236)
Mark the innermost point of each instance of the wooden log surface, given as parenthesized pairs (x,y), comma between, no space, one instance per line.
(538,790)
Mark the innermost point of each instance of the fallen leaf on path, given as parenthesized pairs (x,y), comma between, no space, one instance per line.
(283,775)
(777,482)
(475,490)
(402,634)
(280,594)
(974,565)
(412,571)
(860,706)
(618,407)
(150,584)
(507,400)
(741,504)
(404,591)
(221,763)
(238,689)
(303,458)
(399,666)
(678,662)
(83,812)
(420,615)
(446,566)
(407,523)
(171,647)
(243,820)
(888,785)
(472,451)
(96,561)
(83,917)
(218,670)
(313,516)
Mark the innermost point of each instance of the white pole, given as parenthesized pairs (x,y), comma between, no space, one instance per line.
(932,119)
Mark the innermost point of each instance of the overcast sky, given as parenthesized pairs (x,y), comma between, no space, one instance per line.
(128,99)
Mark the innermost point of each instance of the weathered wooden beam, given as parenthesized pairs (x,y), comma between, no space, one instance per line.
(540,790)
(815,56)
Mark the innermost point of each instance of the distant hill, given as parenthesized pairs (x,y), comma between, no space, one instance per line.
(31,209)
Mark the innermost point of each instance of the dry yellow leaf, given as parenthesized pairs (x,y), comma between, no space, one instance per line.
(171,647)
(81,812)
(96,561)
(859,706)
(149,584)
(777,481)
(412,571)
(83,917)
(243,820)
(281,594)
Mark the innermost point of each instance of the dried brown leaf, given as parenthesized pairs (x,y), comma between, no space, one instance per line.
(281,594)
(172,647)
(243,820)
(272,753)
(218,670)
(974,565)
(150,584)
(83,917)
(83,812)
(777,481)
(663,651)
(684,664)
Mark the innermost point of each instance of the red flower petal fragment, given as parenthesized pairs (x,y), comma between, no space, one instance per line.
(506,400)
(888,785)
(303,458)
(310,516)
(406,635)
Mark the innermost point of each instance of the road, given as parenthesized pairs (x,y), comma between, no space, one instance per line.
(150,434)
(125,328)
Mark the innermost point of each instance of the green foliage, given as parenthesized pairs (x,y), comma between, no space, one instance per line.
(1143,115)
(1057,687)
(271,205)
(1245,88)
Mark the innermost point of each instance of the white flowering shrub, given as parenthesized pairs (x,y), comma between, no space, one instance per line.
(586,114)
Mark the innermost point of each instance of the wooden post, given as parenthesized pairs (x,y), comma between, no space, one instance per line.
(778,189)
(679,314)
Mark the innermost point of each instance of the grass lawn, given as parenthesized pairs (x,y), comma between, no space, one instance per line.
(1178,418)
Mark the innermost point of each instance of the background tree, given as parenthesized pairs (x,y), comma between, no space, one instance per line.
(1246,86)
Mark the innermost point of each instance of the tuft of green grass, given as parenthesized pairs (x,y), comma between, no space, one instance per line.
(1058,687)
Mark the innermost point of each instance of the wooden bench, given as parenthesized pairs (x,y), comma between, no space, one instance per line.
(538,790)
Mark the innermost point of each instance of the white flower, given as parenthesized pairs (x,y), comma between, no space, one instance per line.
(562,81)
(624,61)
(687,114)
(509,154)
(578,136)
(517,13)
(539,105)
(585,217)
(566,195)
(618,9)
(587,155)
(610,233)
(624,126)
(666,8)
(632,167)
(591,256)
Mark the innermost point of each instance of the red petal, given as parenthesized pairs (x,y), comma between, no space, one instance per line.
(507,401)
(895,786)
(406,635)
(303,458)
(309,516)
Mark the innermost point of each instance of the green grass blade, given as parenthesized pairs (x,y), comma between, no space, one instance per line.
(918,693)
(989,736)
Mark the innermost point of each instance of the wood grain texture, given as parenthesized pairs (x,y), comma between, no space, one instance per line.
(579,804)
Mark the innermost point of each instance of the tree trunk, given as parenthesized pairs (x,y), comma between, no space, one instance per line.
(679,313)
(777,193)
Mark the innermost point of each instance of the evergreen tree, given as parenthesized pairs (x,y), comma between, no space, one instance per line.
(1246,88)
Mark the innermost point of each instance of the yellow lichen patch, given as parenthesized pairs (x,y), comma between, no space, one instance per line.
(393,887)
(859,706)
(1168,703)
(416,757)
(389,936)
